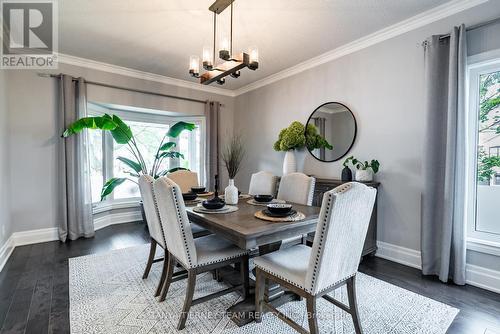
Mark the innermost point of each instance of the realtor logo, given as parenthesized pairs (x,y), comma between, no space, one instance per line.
(29,34)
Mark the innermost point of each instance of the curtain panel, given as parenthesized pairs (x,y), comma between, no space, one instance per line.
(444,170)
(75,197)
(212,114)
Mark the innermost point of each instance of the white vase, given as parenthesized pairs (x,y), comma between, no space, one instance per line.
(300,159)
(231,193)
(289,163)
(364,175)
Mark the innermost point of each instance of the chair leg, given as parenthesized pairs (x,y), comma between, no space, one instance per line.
(351,294)
(260,286)
(163,274)
(311,315)
(152,252)
(189,299)
(168,279)
(245,277)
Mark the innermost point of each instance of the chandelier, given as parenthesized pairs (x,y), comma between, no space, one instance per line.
(232,63)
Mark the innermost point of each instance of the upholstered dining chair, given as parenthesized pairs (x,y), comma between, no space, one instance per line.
(331,262)
(185,179)
(156,230)
(196,256)
(262,183)
(297,188)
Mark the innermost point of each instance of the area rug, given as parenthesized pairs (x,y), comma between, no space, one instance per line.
(108,295)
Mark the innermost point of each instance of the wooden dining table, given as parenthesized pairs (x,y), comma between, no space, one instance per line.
(242,228)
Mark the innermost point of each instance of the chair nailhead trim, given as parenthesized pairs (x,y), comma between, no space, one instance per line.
(183,231)
(321,239)
(158,213)
(282,277)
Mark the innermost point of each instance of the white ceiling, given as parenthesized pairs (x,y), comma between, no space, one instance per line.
(158,36)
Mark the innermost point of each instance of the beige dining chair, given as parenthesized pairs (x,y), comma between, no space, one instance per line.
(196,256)
(156,230)
(331,262)
(263,183)
(297,188)
(185,179)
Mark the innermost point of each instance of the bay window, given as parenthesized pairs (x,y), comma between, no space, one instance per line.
(148,129)
(484,157)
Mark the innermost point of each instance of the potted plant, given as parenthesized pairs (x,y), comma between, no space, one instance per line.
(122,134)
(232,156)
(364,170)
(294,138)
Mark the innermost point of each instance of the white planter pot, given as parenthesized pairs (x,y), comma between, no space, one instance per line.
(289,163)
(364,175)
(231,193)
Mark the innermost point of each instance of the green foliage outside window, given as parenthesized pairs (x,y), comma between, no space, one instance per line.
(489,122)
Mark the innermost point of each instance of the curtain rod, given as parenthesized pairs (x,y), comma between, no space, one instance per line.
(473,27)
(46,75)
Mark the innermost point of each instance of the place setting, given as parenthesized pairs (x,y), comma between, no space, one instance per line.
(214,205)
(280,212)
(264,200)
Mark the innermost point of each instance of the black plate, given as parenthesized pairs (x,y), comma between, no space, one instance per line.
(198,190)
(189,196)
(279,215)
(263,198)
(213,204)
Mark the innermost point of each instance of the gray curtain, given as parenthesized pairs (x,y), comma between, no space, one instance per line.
(212,114)
(444,169)
(75,197)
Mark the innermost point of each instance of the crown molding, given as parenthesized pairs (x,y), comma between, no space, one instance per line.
(125,71)
(417,21)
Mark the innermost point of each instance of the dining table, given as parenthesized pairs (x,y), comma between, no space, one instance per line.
(246,231)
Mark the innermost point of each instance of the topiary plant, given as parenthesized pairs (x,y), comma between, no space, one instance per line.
(296,136)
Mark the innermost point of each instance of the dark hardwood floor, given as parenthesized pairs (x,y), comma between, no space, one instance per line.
(34,285)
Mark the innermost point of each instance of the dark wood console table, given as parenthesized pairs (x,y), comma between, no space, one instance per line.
(323,185)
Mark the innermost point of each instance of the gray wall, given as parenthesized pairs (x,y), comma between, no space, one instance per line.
(33,133)
(384,87)
(5,222)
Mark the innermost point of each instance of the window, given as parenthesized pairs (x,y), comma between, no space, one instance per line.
(484,164)
(148,130)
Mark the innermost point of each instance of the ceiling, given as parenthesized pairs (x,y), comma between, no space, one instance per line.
(158,36)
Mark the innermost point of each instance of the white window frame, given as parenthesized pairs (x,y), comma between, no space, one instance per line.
(483,63)
(138,116)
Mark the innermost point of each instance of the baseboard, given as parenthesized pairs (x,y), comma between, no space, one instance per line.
(35,236)
(483,278)
(480,277)
(408,257)
(51,234)
(116,218)
(6,251)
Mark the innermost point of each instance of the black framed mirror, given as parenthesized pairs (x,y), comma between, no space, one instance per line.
(335,123)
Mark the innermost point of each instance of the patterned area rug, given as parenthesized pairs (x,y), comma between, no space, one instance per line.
(107,295)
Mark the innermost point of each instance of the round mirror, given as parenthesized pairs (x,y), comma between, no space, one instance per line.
(330,131)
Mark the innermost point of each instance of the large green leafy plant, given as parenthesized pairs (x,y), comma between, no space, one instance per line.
(297,136)
(122,134)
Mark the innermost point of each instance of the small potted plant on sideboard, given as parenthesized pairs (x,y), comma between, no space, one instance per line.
(364,170)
